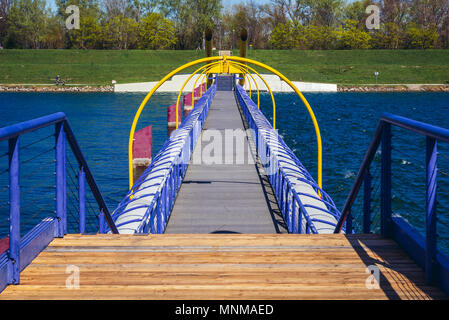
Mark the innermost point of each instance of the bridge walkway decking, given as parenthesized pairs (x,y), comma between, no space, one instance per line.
(224,198)
(222,266)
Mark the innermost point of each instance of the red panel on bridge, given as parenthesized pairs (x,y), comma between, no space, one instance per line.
(142,143)
(4,244)
(172,113)
(188,97)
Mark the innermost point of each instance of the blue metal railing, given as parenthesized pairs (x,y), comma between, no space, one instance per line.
(147,206)
(305,207)
(423,250)
(22,250)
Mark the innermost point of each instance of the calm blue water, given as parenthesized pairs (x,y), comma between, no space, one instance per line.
(101,122)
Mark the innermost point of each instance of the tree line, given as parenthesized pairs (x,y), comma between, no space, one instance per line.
(180,24)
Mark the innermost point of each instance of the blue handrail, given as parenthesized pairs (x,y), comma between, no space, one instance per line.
(148,205)
(309,211)
(426,129)
(30,125)
(22,249)
(424,251)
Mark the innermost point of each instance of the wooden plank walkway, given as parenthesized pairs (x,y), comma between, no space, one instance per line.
(224,197)
(222,266)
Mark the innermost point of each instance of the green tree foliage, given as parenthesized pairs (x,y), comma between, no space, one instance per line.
(350,37)
(54,37)
(88,36)
(120,33)
(390,36)
(320,37)
(180,24)
(87,7)
(27,24)
(156,32)
(326,12)
(5,8)
(422,38)
(191,18)
(282,36)
(357,11)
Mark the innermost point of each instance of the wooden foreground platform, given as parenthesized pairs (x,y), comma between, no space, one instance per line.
(222,266)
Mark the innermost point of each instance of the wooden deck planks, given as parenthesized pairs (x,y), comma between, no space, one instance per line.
(222,266)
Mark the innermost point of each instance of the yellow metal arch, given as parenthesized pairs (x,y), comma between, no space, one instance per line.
(204,73)
(249,83)
(254,80)
(144,102)
(205,77)
(257,88)
(182,88)
(246,73)
(201,75)
(225,64)
(303,99)
(207,68)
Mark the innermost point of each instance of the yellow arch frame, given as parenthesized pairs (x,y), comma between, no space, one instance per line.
(306,103)
(223,58)
(212,64)
(249,82)
(206,68)
(205,77)
(204,73)
(246,73)
(254,80)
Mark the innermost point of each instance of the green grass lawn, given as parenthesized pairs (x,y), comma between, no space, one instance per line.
(99,67)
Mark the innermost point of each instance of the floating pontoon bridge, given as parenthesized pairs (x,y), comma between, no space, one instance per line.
(247,221)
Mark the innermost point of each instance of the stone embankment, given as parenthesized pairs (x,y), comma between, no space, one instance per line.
(396,88)
(340,88)
(22,88)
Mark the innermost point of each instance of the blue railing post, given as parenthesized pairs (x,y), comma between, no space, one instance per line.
(101,223)
(349,223)
(293,222)
(61,206)
(431,217)
(385,200)
(82,200)
(367,202)
(14,211)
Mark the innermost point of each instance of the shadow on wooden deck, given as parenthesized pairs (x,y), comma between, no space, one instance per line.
(399,277)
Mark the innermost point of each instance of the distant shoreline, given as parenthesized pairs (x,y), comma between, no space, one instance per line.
(395,88)
(345,67)
(37,88)
(341,88)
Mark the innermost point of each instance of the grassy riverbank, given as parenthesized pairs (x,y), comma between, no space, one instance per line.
(99,67)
